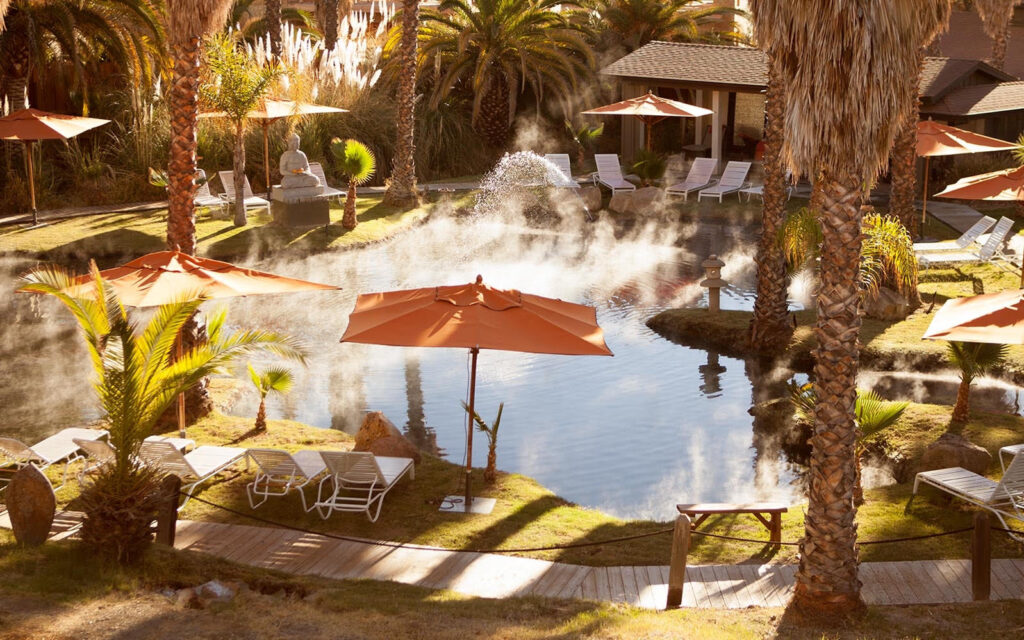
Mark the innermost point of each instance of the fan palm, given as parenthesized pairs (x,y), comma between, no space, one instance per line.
(492,50)
(236,85)
(630,24)
(995,20)
(864,57)
(401,190)
(356,161)
(272,380)
(135,381)
(973,359)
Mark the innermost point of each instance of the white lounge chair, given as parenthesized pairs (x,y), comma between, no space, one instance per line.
(968,238)
(357,482)
(60,447)
(195,467)
(1004,499)
(99,453)
(278,472)
(609,173)
(733,179)
(227,181)
(991,250)
(317,170)
(564,165)
(203,197)
(698,177)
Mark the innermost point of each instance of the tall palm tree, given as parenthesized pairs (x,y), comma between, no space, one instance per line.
(272,16)
(995,20)
(402,188)
(903,161)
(630,24)
(491,50)
(770,327)
(327,18)
(842,62)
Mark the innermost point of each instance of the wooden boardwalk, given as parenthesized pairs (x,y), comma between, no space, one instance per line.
(499,576)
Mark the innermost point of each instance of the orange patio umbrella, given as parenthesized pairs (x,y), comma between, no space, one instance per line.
(475,316)
(33,125)
(272,111)
(992,317)
(650,109)
(1007,184)
(934,139)
(165,277)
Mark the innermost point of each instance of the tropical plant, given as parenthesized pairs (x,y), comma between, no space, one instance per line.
(995,20)
(272,380)
(270,25)
(135,381)
(648,165)
(865,59)
(492,50)
(401,190)
(585,138)
(236,85)
(630,24)
(770,328)
(356,161)
(491,470)
(973,359)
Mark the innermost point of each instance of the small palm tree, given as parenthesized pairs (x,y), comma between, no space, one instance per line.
(649,166)
(585,137)
(973,359)
(356,161)
(491,470)
(135,381)
(272,380)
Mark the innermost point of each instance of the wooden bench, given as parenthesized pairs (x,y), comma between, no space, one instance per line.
(768,513)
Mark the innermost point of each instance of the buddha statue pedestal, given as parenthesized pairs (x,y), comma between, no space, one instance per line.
(301,207)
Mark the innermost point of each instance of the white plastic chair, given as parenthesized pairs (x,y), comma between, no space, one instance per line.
(99,453)
(317,170)
(698,177)
(278,472)
(990,251)
(733,179)
(357,482)
(60,447)
(564,165)
(227,181)
(204,197)
(195,467)
(609,173)
(968,238)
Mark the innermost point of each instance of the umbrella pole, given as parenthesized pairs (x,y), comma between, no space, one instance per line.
(181,399)
(266,153)
(924,204)
(31,182)
(469,431)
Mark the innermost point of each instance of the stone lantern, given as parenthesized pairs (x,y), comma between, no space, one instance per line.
(713,282)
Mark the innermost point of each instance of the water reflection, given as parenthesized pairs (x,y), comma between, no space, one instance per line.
(711,373)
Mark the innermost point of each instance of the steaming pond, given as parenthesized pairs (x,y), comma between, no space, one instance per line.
(631,435)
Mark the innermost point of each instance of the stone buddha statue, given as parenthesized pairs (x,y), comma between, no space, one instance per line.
(294,165)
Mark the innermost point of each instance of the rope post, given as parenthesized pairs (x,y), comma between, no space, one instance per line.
(167,512)
(981,557)
(677,563)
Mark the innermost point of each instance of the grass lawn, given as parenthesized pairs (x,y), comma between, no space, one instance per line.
(61,591)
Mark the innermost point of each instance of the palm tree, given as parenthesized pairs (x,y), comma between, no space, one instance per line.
(491,470)
(356,161)
(995,20)
(864,58)
(630,24)
(254,26)
(402,188)
(272,15)
(770,328)
(135,382)
(272,380)
(973,359)
(327,18)
(491,50)
(236,86)
(585,137)
(903,162)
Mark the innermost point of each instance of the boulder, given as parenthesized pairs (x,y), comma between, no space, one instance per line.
(591,197)
(954,450)
(217,591)
(886,304)
(381,437)
(620,202)
(31,506)
(646,201)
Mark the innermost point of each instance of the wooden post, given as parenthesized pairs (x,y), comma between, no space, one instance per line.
(167,513)
(981,557)
(775,529)
(677,563)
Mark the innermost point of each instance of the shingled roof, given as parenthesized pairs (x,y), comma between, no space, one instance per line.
(979,99)
(939,74)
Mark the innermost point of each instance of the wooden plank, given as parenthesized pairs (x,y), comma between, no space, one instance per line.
(774,586)
(571,588)
(872,592)
(301,551)
(255,548)
(630,587)
(617,585)
(604,589)
(588,588)
(957,575)
(697,581)
(551,582)
(336,554)
(885,580)
(283,551)
(448,570)
(940,583)
(1010,588)
(903,586)
(723,585)
(188,531)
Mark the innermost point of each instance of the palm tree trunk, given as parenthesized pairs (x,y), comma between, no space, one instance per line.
(348,220)
(401,190)
(327,17)
(272,16)
(261,415)
(770,328)
(181,169)
(903,163)
(492,123)
(999,41)
(963,397)
(827,580)
(239,173)
(17,92)
(491,470)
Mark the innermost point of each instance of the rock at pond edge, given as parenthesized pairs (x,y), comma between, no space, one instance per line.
(31,505)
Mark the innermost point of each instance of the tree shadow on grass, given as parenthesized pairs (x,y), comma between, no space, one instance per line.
(109,247)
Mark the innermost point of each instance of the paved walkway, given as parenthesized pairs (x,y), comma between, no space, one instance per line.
(75,212)
(501,576)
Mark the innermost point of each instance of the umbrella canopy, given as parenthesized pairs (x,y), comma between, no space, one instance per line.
(475,316)
(32,125)
(650,109)
(1007,184)
(170,276)
(993,317)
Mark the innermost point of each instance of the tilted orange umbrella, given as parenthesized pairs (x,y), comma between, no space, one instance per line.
(475,316)
(934,139)
(165,277)
(1007,184)
(650,109)
(993,317)
(32,125)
